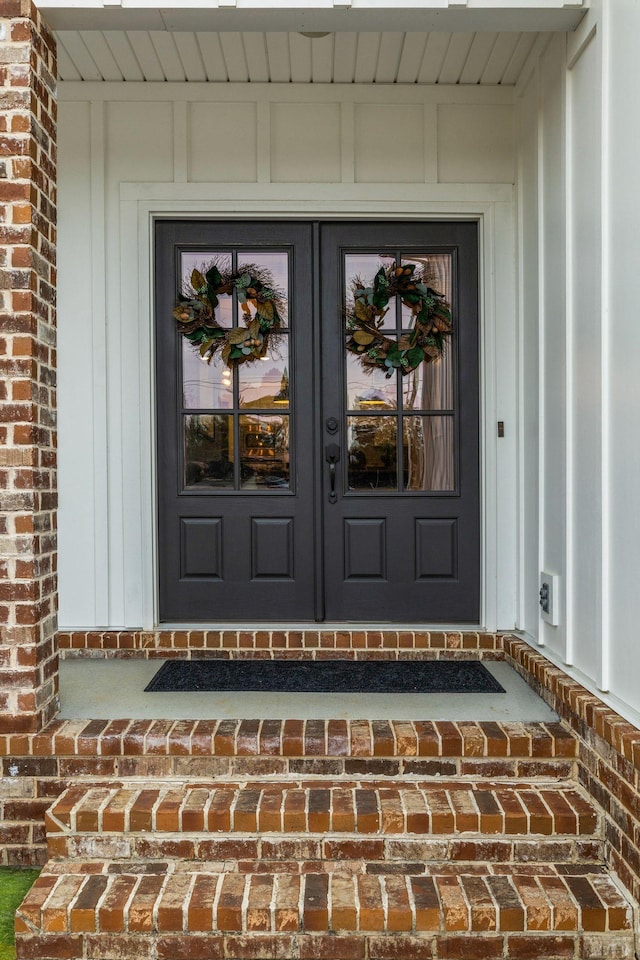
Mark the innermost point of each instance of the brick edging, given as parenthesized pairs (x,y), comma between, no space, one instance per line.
(198,643)
(608,753)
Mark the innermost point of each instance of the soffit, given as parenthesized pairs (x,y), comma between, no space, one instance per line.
(451,16)
(413,57)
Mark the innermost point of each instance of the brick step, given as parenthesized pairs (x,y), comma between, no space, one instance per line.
(373,820)
(303,747)
(171,911)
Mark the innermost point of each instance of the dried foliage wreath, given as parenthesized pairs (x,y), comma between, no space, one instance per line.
(365,314)
(263,307)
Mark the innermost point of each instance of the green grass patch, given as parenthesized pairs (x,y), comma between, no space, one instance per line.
(14,883)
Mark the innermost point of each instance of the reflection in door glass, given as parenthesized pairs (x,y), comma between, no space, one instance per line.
(437,269)
(264,452)
(363,268)
(370,389)
(373,455)
(277,263)
(428,462)
(202,261)
(205,385)
(265,383)
(430,385)
(208,451)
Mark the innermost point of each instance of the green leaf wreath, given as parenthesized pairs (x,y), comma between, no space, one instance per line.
(365,313)
(263,307)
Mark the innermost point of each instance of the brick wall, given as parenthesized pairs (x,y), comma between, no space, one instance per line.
(28,661)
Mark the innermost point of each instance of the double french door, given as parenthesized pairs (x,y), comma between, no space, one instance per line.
(305,485)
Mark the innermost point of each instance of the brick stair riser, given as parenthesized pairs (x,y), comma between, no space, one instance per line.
(257,946)
(284,644)
(239,853)
(359,807)
(157,900)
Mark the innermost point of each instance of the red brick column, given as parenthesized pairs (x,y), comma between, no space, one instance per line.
(28,659)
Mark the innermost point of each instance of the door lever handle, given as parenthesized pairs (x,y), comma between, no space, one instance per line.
(332,455)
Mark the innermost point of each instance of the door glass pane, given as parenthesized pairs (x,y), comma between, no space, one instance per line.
(202,262)
(277,263)
(264,451)
(208,451)
(265,383)
(369,389)
(205,385)
(437,273)
(373,455)
(430,385)
(363,268)
(428,462)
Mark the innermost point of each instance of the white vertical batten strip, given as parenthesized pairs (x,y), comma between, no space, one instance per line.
(569,411)
(488,406)
(140,222)
(520,417)
(430,142)
(263,141)
(99,370)
(604,680)
(347,141)
(541,345)
(180,142)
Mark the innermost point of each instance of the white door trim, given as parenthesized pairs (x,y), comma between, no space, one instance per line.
(141,204)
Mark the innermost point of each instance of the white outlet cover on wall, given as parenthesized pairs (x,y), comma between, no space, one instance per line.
(552,583)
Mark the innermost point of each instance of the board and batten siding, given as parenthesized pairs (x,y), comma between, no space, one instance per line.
(194,149)
(579,290)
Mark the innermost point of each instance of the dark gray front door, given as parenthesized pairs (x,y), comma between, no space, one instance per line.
(252,526)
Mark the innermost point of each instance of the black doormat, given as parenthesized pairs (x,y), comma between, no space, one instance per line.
(325,676)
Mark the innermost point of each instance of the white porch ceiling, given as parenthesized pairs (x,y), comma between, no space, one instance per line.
(279,57)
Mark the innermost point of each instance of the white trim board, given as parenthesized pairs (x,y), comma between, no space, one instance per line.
(285,92)
(146,202)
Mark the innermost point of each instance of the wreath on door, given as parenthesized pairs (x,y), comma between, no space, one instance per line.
(262,303)
(431,323)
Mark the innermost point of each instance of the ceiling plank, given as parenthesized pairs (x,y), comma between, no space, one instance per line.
(519,58)
(190,58)
(456,57)
(105,61)
(478,56)
(389,57)
(255,52)
(411,57)
(82,59)
(367,57)
(434,53)
(168,55)
(212,57)
(67,69)
(120,47)
(500,56)
(234,57)
(146,55)
(345,57)
(322,54)
(279,61)
(300,54)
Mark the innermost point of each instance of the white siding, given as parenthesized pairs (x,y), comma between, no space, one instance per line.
(552,324)
(319,148)
(579,289)
(585,349)
(621,137)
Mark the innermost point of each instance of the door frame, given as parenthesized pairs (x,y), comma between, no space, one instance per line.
(142,204)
